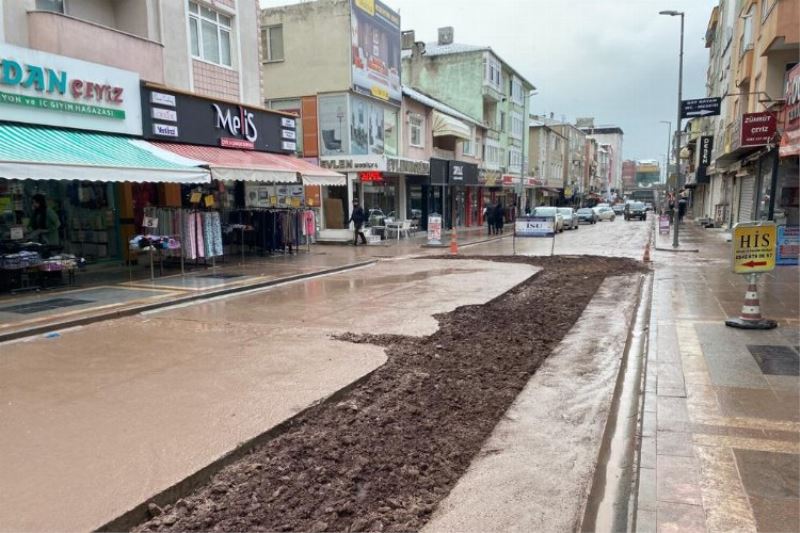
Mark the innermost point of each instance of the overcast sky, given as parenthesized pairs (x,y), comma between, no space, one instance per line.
(615,60)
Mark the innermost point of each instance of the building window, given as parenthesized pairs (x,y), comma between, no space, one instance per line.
(416,128)
(766,8)
(502,121)
(516,91)
(492,72)
(491,156)
(272,43)
(746,40)
(56,6)
(468,147)
(516,125)
(514,160)
(209,35)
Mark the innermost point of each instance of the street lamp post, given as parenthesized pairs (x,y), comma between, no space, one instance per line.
(669,149)
(676,217)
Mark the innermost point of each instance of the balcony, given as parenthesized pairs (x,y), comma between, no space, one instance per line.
(745,71)
(780,31)
(492,94)
(72,37)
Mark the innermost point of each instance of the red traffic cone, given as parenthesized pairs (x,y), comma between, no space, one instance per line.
(453,242)
(646,257)
(750,317)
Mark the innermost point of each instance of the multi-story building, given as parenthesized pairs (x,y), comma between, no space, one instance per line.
(590,172)
(612,137)
(477,82)
(548,153)
(337,65)
(628,175)
(754,48)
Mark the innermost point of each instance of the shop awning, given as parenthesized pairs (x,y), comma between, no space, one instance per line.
(31,152)
(228,164)
(446,125)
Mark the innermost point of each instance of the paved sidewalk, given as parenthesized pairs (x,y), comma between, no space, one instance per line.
(720,443)
(100,296)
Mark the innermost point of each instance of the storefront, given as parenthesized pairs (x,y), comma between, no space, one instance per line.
(65,194)
(257,199)
(385,187)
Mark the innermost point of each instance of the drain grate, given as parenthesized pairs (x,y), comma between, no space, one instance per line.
(43,305)
(776,360)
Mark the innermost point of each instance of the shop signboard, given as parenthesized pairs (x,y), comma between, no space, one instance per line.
(757,129)
(462,173)
(790,142)
(435,229)
(176,117)
(754,247)
(375,46)
(47,89)
(788,245)
(535,226)
(663,224)
(704,158)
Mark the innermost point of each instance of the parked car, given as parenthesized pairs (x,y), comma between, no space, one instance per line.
(550,212)
(586,214)
(605,213)
(648,206)
(618,209)
(570,217)
(635,210)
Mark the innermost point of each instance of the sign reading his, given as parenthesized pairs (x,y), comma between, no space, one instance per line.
(754,246)
(701,107)
(758,129)
(533,226)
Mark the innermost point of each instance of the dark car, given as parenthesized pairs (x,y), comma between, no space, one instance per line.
(635,210)
(586,215)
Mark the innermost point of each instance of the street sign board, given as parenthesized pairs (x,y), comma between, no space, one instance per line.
(532,226)
(702,107)
(663,225)
(788,245)
(758,129)
(434,229)
(754,247)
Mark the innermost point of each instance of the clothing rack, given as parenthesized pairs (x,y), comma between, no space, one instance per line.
(274,229)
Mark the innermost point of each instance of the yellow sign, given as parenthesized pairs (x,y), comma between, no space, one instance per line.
(209,200)
(379,92)
(367,5)
(196,197)
(754,245)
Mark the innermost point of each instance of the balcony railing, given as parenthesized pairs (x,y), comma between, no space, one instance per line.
(73,37)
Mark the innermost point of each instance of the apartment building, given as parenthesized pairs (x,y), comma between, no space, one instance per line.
(549,151)
(209,48)
(611,137)
(474,80)
(754,47)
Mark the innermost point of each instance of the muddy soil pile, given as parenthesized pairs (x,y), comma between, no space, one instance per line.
(383,456)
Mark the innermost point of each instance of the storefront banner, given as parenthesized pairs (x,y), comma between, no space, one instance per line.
(200,121)
(663,224)
(535,226)
(788,245)
(757,129)
(489,178)
(399,165)
(47,89)
(376,50)
(463,173)
(435,229)
(790,142)
(704,157)
(381,163)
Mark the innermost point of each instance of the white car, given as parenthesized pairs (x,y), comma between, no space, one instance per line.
(570,217)
(605,213)
(550,212)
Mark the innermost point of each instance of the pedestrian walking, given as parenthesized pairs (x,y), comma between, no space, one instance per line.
(499,215)
(488,216)
(682,203)
(357,217)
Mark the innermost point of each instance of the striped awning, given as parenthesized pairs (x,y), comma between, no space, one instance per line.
(40,153)
(444,125)
(228,164)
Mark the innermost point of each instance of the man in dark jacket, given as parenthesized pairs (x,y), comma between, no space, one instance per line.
(357,217)
(499,215)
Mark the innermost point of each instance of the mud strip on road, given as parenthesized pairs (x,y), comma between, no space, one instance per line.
(382,457)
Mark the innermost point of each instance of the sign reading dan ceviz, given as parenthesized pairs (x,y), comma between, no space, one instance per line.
(41,88)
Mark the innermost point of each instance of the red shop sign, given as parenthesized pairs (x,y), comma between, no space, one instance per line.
(372,175)
(758,129)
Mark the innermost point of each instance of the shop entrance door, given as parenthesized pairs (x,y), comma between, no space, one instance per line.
(459,207)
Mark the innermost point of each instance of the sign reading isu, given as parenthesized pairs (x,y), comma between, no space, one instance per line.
(176,117)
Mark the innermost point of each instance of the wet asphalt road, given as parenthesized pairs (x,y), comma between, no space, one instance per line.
(101,418)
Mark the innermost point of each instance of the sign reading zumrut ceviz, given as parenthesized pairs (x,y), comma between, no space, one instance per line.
(41,88)
(754,247)
(701,107)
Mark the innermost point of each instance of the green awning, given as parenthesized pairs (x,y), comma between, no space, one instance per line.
(30,152)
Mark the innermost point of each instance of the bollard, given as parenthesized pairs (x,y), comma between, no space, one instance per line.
(453,243)
(646,257)
(750,317)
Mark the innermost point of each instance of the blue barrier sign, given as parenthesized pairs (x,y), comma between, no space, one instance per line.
(535,226)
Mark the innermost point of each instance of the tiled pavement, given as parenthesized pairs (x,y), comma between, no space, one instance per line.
(720,442)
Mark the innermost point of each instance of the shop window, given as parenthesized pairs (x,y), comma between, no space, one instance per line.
(209,35)
(272,43)
(56,6)
(416,125)
(468,147)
